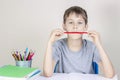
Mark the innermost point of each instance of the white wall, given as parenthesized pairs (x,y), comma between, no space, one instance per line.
(28,23)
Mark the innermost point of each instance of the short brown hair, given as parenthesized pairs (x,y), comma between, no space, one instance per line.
(77,10)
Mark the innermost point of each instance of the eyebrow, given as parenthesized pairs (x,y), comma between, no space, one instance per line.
(69,19)
(79,19)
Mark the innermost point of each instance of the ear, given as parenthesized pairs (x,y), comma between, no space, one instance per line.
(64,27)
(86,27)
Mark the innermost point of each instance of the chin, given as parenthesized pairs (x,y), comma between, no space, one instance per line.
(75,36)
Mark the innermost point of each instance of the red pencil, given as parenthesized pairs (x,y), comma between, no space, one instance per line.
(75,32)
(31,55)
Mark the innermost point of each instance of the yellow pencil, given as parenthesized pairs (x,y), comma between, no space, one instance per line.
(14,55)
(19,56)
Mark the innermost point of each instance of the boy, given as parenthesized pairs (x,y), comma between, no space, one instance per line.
(74,54)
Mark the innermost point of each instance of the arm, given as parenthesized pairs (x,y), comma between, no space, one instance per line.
(49,63)
(107,66)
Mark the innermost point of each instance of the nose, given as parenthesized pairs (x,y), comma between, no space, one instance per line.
(75,27)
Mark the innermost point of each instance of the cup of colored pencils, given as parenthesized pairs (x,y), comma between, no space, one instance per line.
(23,59)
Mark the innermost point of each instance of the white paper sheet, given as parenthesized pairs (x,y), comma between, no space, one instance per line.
(74,76)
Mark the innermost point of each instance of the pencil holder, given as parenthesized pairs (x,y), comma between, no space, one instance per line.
(27,63)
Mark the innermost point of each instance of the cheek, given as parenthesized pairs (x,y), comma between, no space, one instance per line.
(68,28)
(83,28)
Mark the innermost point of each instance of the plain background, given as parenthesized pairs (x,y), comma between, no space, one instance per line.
(28,23)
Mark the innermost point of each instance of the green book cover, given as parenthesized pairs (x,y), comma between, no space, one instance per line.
(15,71)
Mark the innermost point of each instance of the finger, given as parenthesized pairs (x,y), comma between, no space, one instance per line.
(59,30)
(59,33)
(92,35)
(93,32)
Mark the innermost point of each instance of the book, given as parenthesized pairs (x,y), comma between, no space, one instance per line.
(10,72)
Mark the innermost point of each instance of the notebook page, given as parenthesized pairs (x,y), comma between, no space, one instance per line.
(56,76)
(79,76)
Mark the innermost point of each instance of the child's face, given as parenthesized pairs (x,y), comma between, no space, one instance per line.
(75,23)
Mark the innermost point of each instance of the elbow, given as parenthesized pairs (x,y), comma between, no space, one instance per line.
(110,75)
(48,74)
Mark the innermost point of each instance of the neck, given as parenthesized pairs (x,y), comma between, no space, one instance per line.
(74,45)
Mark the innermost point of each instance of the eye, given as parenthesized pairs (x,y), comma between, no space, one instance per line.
(70,22)
(79,22)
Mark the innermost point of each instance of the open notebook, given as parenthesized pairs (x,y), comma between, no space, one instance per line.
(74,76)
(10,72)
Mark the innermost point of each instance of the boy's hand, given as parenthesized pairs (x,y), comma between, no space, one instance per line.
(95,36)
(55,35)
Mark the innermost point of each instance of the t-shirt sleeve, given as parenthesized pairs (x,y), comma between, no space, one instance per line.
(96,57)
(55,52)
